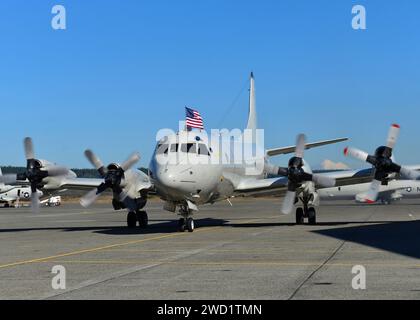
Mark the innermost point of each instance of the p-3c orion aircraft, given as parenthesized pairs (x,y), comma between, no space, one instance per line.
(186,172)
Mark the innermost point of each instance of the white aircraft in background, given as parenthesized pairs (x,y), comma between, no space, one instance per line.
(39,174)
(11,195)
(184,186)
(393,191)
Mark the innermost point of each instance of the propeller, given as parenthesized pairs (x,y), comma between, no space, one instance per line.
(297,176)
(382,163)
(35,172)
(112,176)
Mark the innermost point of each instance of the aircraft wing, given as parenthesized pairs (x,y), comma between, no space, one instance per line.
(261,187)
(80,183)
(140,179)
(291,149)
(415,167)
(7,199)
(348,177)
(278,185)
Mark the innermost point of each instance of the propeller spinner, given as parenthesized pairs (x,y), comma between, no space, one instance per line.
(297,176)
(112,175)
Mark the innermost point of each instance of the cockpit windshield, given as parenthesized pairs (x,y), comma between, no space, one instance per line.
(162,148)
(202,149)
(189,147)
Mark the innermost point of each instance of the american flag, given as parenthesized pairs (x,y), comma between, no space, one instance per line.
(193,119)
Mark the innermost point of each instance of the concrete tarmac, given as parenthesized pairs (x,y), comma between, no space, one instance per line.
(248,251)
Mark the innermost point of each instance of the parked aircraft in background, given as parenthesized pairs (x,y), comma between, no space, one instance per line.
(393,191)
(39,174)
(11,195)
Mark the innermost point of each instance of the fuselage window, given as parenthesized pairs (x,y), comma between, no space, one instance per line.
(202,149)
(162,148)
(188,147)
(174,147)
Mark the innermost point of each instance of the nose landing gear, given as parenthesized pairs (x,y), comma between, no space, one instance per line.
(306,212)
(187,221)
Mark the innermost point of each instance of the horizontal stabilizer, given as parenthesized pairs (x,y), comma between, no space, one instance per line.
(291,149)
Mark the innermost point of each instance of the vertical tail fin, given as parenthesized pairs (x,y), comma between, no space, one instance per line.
(252,116)
(1,174)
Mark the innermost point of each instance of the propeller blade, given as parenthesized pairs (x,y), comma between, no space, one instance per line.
(288,202)
(372,194)
(393,136)
(89,198)
(130,161)
(409,173)
(356,153)
(123,195)
(300,145)
(323,181)
(8,178)
(54,171)
(29,148)
(35,201)
(95,161)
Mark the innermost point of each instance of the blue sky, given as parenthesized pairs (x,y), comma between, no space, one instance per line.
(124,69)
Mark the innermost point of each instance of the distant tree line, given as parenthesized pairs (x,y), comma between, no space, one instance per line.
(81,173)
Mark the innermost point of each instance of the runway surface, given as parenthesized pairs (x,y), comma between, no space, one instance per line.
(248,251)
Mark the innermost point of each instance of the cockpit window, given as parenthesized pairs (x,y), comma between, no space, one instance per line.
(174,147)
(189,147)
(202,149)
(162,148)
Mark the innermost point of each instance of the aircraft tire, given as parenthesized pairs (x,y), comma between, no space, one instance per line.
(131,219)
(312,216)
(299,215)
(190,224)
(142,218)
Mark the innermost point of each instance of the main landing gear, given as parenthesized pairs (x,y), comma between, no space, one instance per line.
(187,221)
(306,212)
(137,216)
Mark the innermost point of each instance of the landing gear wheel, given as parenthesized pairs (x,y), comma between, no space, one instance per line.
(181,225)
(299,216)
(131,219)
(190,224)
(142,218)
(312,216)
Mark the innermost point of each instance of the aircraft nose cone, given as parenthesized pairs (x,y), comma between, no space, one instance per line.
(166,178)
